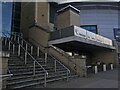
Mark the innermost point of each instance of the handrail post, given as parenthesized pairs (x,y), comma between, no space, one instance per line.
(9,45)
(13,48)
(22,42)
(45,57)
(34,68)
(38,51)
(25,57)
(5,40)
(45,81)
(31,50)
(19,50)
(18,39)
(14,37)
(67,75)
(55,65)
(26,46)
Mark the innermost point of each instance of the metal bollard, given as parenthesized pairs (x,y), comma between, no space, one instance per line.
(104,67)
(96,70)
(111,66)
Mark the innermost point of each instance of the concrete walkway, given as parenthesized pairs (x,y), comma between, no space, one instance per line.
(108,79)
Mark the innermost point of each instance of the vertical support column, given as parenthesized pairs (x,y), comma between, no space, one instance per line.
(5,40)
(18,39)
(31,50)
(13,48)
(38,51)
(34,68)
(104,67)
(25,57)
(45,57)
(67,75)
(96,70)
(9,45)
(55,65)
(26,46)
(45,81)
(22,42)
(19,50)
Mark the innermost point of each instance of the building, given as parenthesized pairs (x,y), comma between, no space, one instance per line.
(68,32)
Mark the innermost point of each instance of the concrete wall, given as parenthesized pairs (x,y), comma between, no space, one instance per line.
(27,17)
(38,35)
(74,64)
(42,14)
(105,56)
(67,19)
(63,20)
(74,19)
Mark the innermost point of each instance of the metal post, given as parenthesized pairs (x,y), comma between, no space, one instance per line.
(13,48)
(9,45)
(55,65)
(26,46)
(45,57)
(31,50)
(25,57)
(111,66)
(38,51)
(67,76)
(19,50)
(96,70)
(18,39)
(14,38)
(34,68)
(22,42)
(45,81)
(5,40)
(104,67)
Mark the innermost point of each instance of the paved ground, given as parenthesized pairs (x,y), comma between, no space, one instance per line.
(108,79)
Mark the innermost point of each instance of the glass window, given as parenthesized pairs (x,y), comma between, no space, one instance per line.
(117,34)
(91,28)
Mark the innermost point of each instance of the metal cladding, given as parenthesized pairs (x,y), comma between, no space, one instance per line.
(80,32)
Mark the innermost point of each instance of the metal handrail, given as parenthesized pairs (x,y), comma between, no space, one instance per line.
(6,75)
(60,63)
(20,37)
(63,52)
(35,61)
(68,71)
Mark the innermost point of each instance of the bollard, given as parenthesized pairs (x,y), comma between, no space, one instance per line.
(96,70)
(104,67)
(111,66)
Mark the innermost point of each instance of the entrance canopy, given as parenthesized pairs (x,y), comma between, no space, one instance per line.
(76,38)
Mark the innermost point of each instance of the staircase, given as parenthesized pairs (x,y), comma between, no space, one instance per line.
(30,69)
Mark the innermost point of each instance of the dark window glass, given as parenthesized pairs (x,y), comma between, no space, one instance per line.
(52,12)
(91,28)
(16,15)
(117,34)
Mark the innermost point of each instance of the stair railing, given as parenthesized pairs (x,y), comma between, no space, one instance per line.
(21,42)
(34,62)
(7,39)
(55,60)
